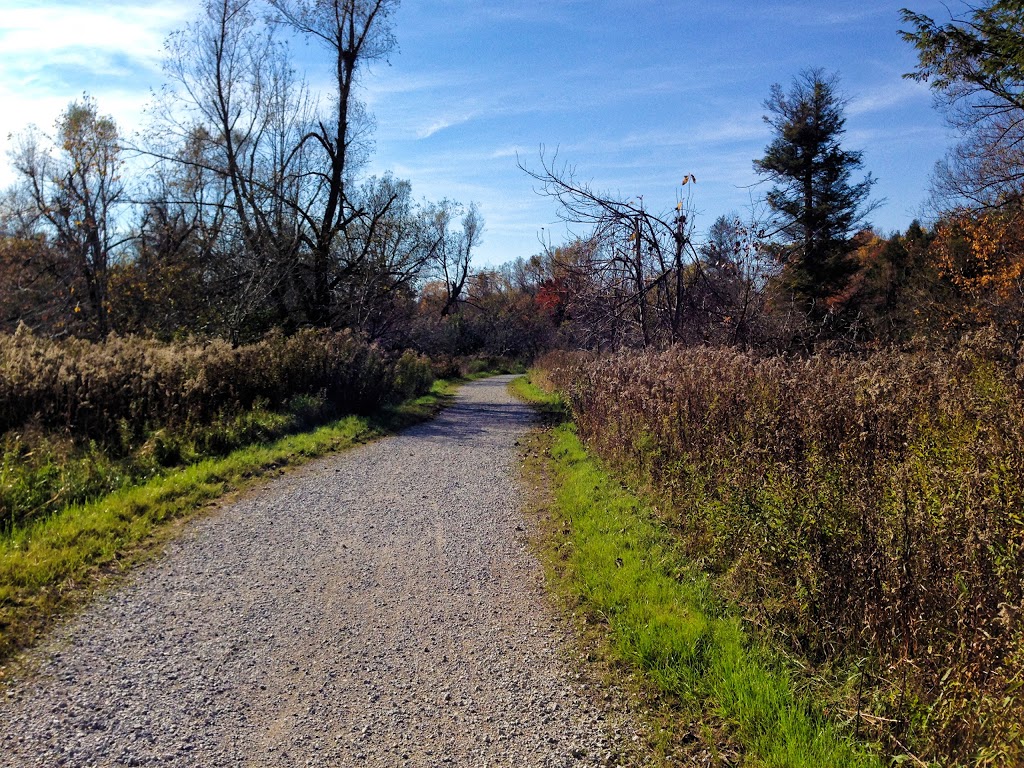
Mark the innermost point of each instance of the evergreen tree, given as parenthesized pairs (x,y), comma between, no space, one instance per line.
(818,207)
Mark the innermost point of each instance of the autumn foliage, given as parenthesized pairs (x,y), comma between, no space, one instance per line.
(982,255)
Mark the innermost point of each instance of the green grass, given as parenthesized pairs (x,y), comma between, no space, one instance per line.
(53,564)
(663,619)
(550,405)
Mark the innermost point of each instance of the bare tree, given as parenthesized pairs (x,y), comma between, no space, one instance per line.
(354,33)
(289,164)
(76,192)
(642,266)
(232,125)
(384,256)
(738,266)
(451,249)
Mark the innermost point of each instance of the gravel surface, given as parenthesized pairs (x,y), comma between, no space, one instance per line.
(374,608)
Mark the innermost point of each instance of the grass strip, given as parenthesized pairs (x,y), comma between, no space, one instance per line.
(664,620)
(52,565)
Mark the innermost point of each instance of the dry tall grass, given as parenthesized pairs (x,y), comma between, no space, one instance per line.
(99,390)
(79,419)
(869,510)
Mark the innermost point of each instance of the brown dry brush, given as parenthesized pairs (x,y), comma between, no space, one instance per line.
(93,389)
(75,414)
(870,510)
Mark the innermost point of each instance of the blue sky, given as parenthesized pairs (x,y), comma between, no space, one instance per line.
(634,95)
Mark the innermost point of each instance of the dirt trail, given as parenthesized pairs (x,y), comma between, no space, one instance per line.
(375,608)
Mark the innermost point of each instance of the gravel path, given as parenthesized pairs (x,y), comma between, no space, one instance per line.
(375,608)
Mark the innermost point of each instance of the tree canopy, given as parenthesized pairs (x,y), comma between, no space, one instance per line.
(975,66)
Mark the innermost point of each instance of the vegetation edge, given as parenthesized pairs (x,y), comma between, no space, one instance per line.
(53,566)
(661,619)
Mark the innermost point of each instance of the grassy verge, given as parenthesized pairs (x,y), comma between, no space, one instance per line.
(53,564)
(663,620)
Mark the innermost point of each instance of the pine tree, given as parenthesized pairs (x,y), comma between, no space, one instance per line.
(817,205)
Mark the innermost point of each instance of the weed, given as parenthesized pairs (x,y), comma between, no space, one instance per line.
(855,508)
(663,618)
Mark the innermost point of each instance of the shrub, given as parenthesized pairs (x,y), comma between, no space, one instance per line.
(412,376)
(100,390)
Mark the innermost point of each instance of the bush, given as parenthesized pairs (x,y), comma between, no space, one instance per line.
(454,367)
(100,390)
(412,376)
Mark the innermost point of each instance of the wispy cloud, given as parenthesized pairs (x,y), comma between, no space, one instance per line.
(716,135)
(502,153)
(813,13)
(887,97)
(440,124)
(35,35)
(53,51)
(385,82)
(468,13)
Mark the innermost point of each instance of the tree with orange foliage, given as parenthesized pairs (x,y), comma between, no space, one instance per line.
(981,254)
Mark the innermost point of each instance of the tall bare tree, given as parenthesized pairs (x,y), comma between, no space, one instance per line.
(353,33)
(233,124)
(289,162)
(451,249)
(383,258)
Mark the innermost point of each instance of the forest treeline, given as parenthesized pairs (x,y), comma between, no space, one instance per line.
(241,209)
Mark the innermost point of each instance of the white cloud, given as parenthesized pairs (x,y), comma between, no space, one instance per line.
(51,52)
(501,153)
(439,124)
(34,34)
(891,95)
(382,83)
